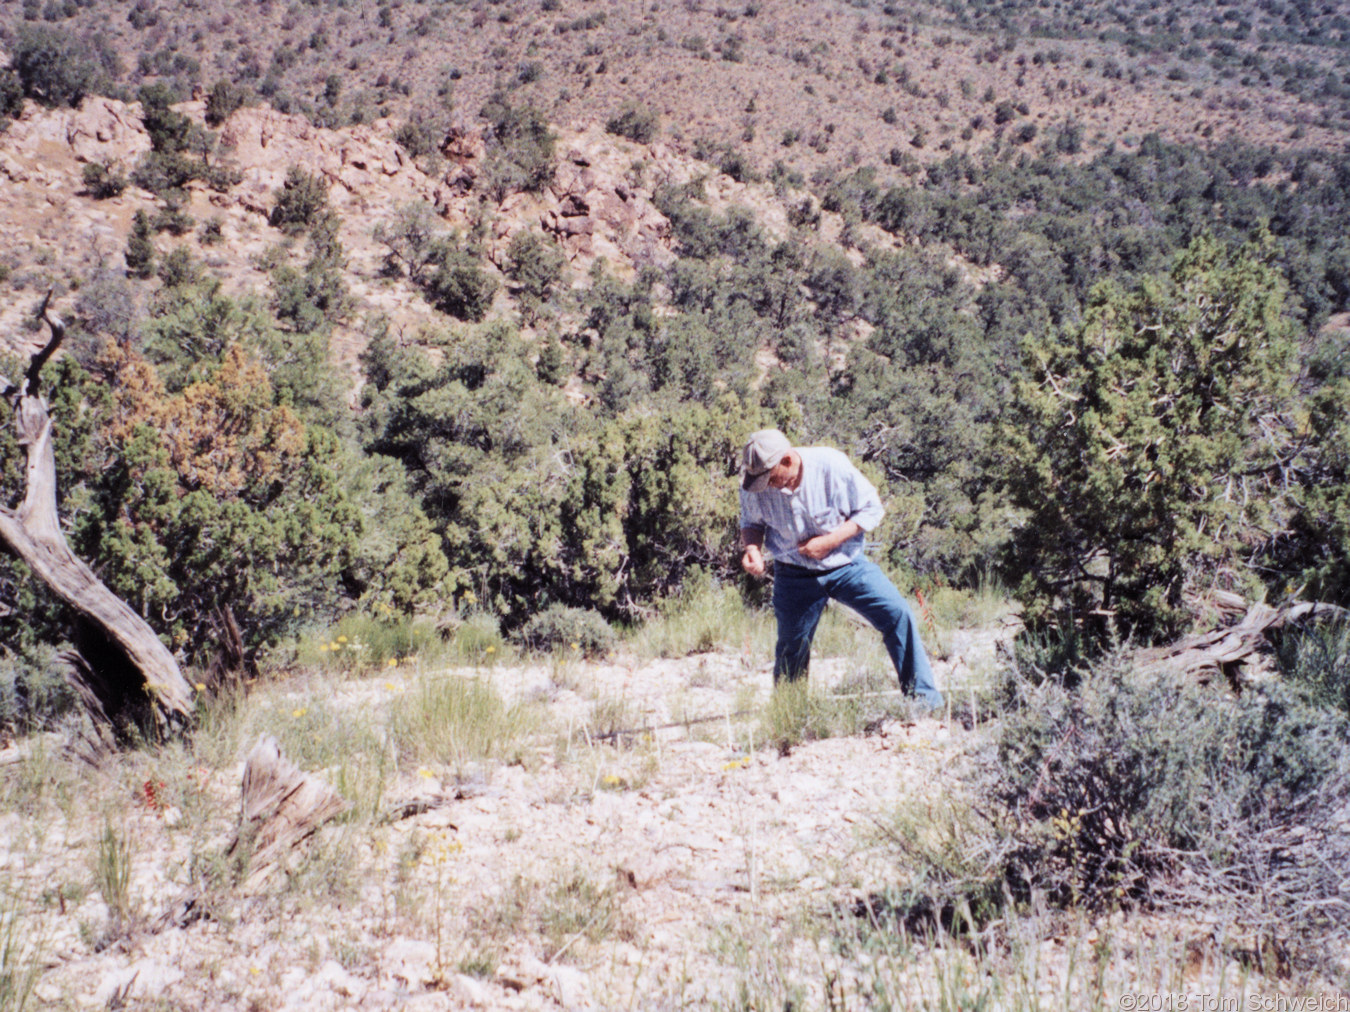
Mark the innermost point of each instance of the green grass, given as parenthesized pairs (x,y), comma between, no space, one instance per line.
(112,878)
(21,944)
(346,745)
(457,720)
(704,619)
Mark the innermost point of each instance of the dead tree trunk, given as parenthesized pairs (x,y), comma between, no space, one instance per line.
(122,671)
(1234,651)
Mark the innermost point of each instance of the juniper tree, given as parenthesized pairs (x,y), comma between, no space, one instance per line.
(1145,444)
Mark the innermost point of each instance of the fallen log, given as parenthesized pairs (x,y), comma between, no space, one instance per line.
(1238,651)
(280,806)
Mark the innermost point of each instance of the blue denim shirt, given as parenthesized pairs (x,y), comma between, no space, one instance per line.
(832,490)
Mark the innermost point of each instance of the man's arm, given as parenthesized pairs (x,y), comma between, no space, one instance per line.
(823,544)
(860,503)
(752,558)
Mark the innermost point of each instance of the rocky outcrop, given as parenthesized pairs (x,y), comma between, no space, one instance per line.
(100,130)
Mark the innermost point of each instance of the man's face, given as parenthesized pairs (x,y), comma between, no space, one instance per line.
(784,473)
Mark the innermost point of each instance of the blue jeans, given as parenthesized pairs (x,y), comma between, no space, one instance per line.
(799,598)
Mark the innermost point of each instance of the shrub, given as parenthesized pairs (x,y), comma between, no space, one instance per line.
(301,202)
(536,266)
(520,147)
(140,252)
(1319,659)
(103,181)
(1155,791)
(11,97)
(634,122)
(418,137)
(222,100)
(459,285)
(53,66)
(559,626)
(1127,436)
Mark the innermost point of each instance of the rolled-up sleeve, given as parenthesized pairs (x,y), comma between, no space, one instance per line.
(751,516)
(864,503)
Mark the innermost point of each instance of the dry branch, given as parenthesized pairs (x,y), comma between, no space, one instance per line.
(122,672)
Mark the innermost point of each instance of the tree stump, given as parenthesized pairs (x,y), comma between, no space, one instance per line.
(281,806)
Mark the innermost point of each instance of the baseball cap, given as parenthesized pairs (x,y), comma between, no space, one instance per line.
(765,449)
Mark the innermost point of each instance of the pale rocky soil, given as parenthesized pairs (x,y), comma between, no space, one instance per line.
(705,846)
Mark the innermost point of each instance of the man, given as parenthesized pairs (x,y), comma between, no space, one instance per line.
(810,507)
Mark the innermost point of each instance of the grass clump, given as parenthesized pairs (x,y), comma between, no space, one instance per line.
(704,618)
(458,720)
(361,642)
(112,878)
(20,951)
(795,713)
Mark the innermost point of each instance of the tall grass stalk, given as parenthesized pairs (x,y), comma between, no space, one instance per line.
(457,720)
(112,877)
(20,951)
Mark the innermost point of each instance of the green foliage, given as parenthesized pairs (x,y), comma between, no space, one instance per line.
(636,122)
(536,267)
(313,298)
(33,693)
(1319,552)
(222,100)
(301,202)
(538,502)
(168,129)
(53,66)
(179,268)
(459,285)
(560,626)
(1318,658)
(520,147)
(209,499)
(140,251)
(552,363)
(11,96)
(102,180)
(417,138)
(411,239)
(1141,448)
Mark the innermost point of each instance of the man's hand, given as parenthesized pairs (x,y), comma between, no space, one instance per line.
(752,560)
(823,544)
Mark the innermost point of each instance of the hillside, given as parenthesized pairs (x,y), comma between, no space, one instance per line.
(411,352)
(822,85)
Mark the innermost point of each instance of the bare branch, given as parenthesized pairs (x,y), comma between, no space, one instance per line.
(58,327)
